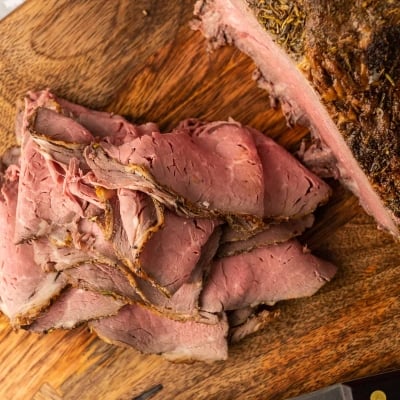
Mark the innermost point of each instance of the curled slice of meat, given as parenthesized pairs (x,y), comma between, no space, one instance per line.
(74,307)
(264,275)
(274,233)
(172,253)
(290,190)
(148,332)
(208,175)
(24,288)
(113,280)
(184,303)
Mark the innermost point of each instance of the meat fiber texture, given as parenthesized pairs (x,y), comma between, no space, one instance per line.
(333,67)
(151,238)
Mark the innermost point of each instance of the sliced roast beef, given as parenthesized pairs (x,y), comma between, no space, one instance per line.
(290,190)
(113,128)
(346,93)
(74,307)
(149,332)
(61,138)
(140,217)
(206,175)
(53,256)
(116,281)
(58,127)
(184,303)
(41,206)
(274,233)
(105,279)
(87,240)
(264,275)
(99,245)
(78,186)
(131,231)
(24,288)
(172,253)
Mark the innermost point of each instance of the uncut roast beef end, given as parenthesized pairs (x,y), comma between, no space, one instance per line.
(334,69)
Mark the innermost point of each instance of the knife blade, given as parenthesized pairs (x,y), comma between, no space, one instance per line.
(385,386)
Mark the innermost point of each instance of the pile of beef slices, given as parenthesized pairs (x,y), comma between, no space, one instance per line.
(174,243)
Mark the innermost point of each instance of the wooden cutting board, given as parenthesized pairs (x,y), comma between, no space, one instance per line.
(140,58)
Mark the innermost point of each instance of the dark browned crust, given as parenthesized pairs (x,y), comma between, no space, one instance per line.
(351,57)
(285,20)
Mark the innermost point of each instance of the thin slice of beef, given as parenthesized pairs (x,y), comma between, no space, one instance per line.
(58,127)
(274,233)
(61,137)
(105,279)
(24,288)
(172,253)
(206,175)
(41,207)
(264,276)
(132,231)
(60,256)
(117,279)
(333,68)
(290,189)
(79,187)
(184,303)
(74,307)
(140,217)
(88,239)
(113,128)
(85,242)
(149,332)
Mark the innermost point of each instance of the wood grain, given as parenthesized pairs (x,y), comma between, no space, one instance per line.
(141,59)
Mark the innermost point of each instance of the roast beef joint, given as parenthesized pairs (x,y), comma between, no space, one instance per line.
(333,66)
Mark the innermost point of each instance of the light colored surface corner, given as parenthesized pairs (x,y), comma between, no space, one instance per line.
(6,6)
